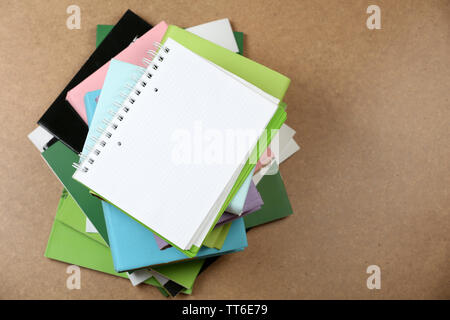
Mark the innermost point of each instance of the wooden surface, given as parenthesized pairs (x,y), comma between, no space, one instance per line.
(369,186)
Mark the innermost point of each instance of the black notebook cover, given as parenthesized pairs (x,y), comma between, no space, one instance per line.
(173,288)
(61,119)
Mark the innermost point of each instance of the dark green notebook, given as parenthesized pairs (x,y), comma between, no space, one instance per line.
(102,32)
(60,159)
(239,36)
(276,202)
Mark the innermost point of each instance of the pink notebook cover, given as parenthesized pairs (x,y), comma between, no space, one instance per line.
(265,159)
(133,54)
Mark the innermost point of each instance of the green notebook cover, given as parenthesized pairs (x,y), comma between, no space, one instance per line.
(239,36)
(78,222)
(266,79)
(60,158)
(222,236)
(276,202)
(68,245)
(68,242)
(212,241)
(102,32)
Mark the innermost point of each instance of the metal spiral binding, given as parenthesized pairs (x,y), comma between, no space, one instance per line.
(128,98)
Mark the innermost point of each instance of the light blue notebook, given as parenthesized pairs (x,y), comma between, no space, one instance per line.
(90,101)
(133,246)
(236,205)
(119,74)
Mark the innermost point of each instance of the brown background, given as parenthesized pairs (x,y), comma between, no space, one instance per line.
(369,186)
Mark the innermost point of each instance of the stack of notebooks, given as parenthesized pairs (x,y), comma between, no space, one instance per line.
(168,143)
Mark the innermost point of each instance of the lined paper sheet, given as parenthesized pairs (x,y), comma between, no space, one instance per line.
(138,170)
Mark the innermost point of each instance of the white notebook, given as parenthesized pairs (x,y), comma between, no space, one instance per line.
(135,164)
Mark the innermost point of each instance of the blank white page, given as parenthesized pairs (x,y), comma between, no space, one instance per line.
(136,170)
(219,32)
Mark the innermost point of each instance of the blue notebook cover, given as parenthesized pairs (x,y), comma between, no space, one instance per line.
(133,246)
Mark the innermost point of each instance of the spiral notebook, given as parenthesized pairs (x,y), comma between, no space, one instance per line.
(218,31)
(178,90)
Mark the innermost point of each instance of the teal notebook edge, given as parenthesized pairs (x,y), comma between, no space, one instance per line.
(133,246)
(90,102)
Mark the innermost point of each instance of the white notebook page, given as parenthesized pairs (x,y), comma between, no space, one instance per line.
(140,175)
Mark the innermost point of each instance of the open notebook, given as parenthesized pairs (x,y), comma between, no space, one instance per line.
(133,165)
(271,82)
(116,79)
(218,31)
